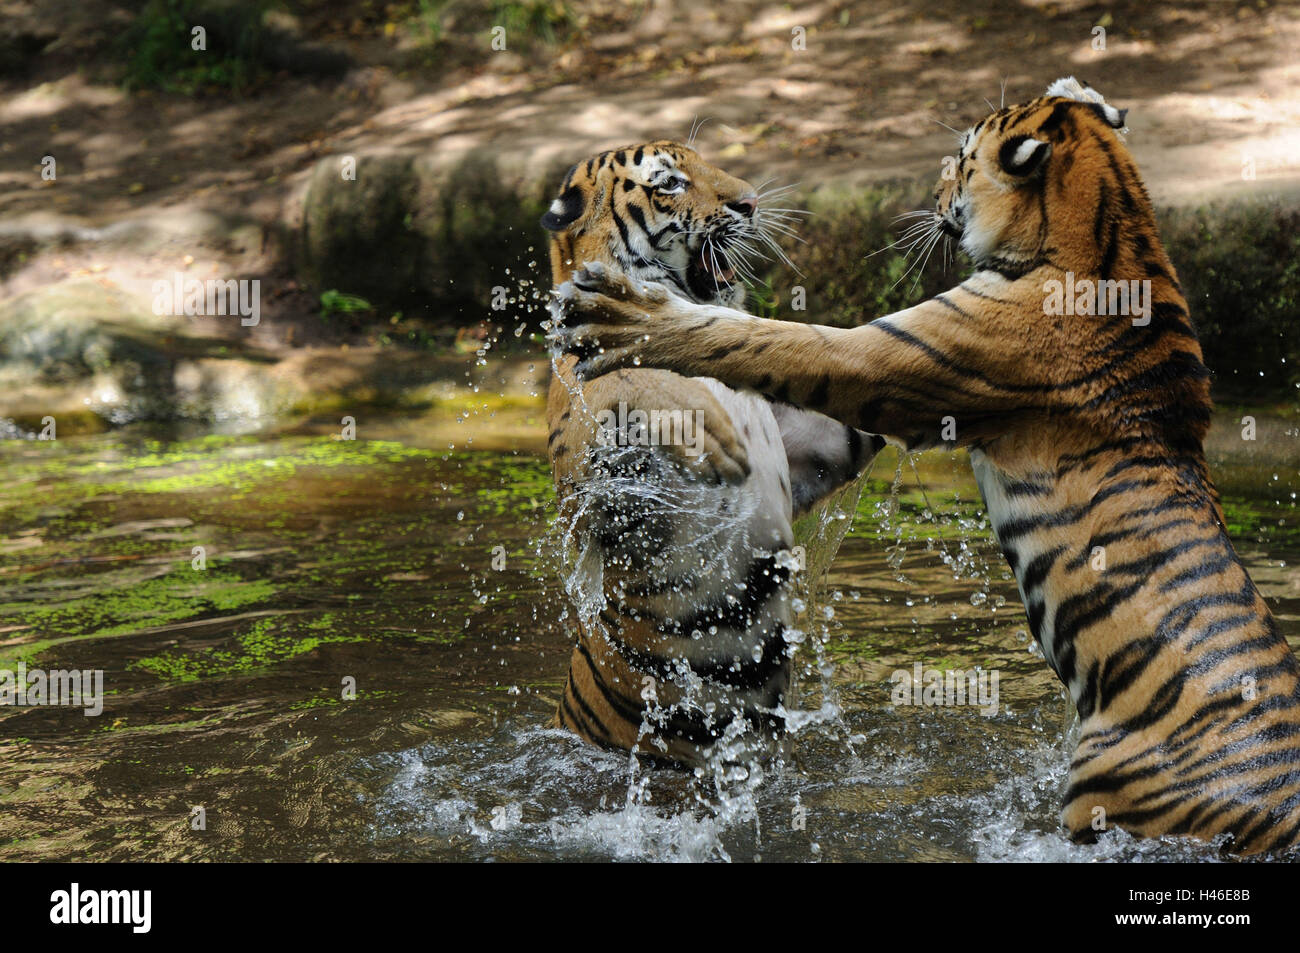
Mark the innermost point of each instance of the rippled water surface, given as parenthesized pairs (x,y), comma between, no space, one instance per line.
(326,561)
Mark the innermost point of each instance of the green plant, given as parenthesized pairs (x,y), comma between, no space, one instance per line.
(536,19)
(1239,266)
(428,21)
(336,302)
(764,300)
(158,46)
(525,21)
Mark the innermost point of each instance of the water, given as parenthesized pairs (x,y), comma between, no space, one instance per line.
(328,560)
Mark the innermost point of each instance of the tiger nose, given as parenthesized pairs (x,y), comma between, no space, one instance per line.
(745,205)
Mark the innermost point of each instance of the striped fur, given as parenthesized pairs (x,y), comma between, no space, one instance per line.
(687,660)
(1085,432)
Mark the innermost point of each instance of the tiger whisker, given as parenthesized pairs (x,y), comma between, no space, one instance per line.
(918,226)
(777,228)
(771,241)
(955,132)
(739,263)
(696,125)
(925,258)
(776,192)
(926,244)
(915,232)
(740,258)
(775,218)
(903,277)
(744,268)
(781,227)
(780,252)
(713,261)
(744,256)
(745,250)
(911,232)
(939,236)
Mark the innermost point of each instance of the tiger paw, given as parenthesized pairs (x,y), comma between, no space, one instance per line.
(716,454)
(594,278)
(606,320)
(676,420)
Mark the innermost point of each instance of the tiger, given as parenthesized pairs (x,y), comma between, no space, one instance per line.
(1085,424)
(688,658)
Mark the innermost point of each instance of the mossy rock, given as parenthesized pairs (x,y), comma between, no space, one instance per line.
(427,238)
(75,348)
(77,337)
(356,233)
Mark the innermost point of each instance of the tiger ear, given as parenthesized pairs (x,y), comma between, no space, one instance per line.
(1110,115)
(1022,156)
(567,207)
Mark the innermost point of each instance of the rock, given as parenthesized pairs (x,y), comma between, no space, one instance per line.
(356,234)
(427,237)
(77,349)
(239,394)
(75,346)
(92,357)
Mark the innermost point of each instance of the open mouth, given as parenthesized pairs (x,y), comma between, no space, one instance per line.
(710,272)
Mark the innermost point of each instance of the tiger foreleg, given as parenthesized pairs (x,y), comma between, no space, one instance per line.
(909,375)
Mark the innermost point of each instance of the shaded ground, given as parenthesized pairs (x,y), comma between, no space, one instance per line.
(1207,83)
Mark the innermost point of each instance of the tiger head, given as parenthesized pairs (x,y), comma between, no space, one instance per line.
(1031,181)
(657,212)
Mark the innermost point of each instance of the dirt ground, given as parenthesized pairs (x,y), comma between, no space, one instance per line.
(1208,84)
(1213,88)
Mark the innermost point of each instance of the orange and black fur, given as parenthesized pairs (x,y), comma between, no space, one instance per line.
(687,659)
(1085,429)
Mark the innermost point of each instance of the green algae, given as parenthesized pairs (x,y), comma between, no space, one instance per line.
(206,463)
(335,702)
(263,644)
(71,492)
(113,610)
